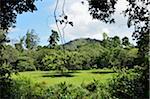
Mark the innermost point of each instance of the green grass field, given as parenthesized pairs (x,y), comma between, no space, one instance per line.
(75,78)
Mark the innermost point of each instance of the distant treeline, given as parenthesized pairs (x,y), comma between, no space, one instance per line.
(111,52)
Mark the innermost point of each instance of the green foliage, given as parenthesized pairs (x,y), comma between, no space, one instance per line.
(19,46)
(102,10)
(5,82)
(79,54)
(53,39)
(84,54)
(66,91)
(77,43)
(61,60)
(10,9)
(75,77)
(10,54)
(110,52)
(137,13)
(5,68)
(25,63)
(25,88)
(125,41)
(127,85)
(111,42)
(105,36)
(118,57)
(39,56)
(31,40)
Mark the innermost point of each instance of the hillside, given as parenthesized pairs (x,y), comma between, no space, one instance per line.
(82,42)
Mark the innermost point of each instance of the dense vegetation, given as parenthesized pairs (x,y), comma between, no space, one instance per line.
(111,52)
(122,86)
(76,78)
(80,54)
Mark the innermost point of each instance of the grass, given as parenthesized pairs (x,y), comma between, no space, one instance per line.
(75,78)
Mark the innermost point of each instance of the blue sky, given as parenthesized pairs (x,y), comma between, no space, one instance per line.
(42,21)
(38,20)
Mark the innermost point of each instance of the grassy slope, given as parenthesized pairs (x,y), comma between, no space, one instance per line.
(78,77)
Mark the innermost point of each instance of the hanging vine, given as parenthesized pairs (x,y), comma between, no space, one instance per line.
(62,20)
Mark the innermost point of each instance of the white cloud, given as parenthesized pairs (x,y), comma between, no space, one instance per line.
(13,29)
(86,27)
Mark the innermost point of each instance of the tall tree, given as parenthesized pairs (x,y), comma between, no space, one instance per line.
(31,40)
(125,41)
(19,46)
(8,14)
(53,39)
(105,36)
(5,68)
(116,42)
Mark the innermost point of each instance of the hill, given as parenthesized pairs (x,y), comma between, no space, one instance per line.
(82,42)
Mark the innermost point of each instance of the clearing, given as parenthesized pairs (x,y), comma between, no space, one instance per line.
(75,77)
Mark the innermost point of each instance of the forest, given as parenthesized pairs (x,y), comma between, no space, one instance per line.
(83,68)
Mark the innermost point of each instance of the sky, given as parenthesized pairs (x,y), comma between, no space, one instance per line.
(42,21)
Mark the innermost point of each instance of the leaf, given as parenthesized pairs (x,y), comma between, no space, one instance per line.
(60,22)
(82,2)
(71,23)
(66,17)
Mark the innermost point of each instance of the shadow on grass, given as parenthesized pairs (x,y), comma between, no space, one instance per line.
(58,75)
(73,72)
(103,72)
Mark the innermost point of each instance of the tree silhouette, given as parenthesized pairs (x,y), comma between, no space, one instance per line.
(10,8)
(53,39)
(138,14)
(125,41)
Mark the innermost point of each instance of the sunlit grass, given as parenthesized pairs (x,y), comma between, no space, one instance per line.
(75,78)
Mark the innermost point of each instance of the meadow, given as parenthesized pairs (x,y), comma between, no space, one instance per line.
(76,78)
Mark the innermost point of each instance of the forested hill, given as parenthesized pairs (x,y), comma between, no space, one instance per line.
(82,42)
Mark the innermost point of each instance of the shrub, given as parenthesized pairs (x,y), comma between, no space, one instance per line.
(25,88)
(25,64)
(126,85)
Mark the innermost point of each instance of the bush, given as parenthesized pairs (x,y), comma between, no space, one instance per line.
(25,64)
(25,88)
(126,85)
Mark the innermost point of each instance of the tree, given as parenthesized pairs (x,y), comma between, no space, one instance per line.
(10,8)
(31,40)
(110,42)
(53,39)
(56,60)
(25,63)
(105,36)
(8,14)
(5,68)
(102,9)
(116,42)
(19,46)
(138,13)
(125,41)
